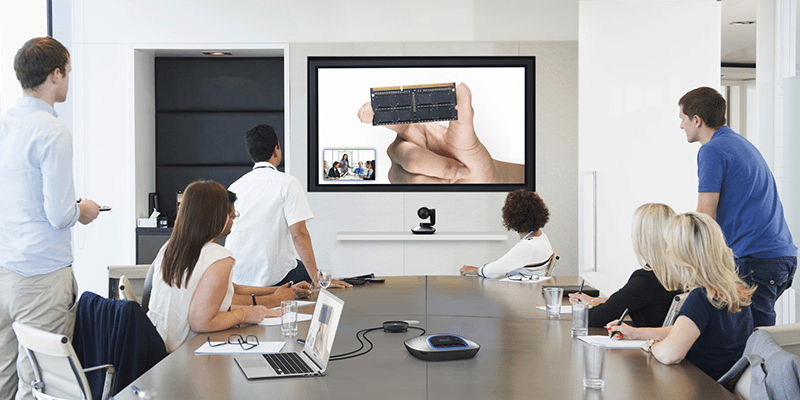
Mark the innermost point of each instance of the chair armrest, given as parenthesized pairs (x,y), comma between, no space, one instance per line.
(108,384)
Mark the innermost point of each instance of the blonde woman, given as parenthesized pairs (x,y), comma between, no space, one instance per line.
(645,298)
(715,321)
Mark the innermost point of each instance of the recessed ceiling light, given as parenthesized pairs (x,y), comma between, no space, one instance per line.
(742,23)
(217,53)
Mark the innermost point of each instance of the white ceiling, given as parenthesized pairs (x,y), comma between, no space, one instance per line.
(739,41)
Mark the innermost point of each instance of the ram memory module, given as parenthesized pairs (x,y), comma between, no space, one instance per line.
(416,103)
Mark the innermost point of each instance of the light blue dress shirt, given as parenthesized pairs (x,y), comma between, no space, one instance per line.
(38,194)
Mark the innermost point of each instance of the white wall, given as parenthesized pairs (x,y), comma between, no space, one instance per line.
(113,46)
(636,59)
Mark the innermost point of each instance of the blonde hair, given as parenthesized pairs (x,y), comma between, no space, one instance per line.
(647,234)
(699,257)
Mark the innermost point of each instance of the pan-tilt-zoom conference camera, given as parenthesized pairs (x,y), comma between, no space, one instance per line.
(425,228)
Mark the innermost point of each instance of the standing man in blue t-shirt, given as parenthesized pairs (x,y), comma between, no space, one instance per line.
(736,187)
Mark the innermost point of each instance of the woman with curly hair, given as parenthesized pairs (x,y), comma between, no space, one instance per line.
(525,213)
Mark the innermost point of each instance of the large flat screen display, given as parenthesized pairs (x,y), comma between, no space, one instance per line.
(421,123)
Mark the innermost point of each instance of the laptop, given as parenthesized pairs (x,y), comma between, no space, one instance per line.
(313,360)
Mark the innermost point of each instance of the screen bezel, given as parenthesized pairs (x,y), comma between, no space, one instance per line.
(317,63)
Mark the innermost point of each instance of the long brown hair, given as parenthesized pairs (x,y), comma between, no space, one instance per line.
(202,216)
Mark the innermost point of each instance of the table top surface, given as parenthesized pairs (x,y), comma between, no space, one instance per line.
(522,353)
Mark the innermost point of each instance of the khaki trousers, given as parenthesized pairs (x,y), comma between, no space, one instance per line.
(46,302)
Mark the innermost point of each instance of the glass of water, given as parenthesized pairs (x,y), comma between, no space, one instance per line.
(324,278)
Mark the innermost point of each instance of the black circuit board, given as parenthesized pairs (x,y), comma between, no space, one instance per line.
(416,103)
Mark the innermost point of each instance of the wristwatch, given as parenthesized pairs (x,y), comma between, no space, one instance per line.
(253,296)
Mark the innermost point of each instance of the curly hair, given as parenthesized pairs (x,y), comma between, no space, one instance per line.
(524,211)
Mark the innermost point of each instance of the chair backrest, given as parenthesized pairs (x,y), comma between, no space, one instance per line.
(551,264)
(56,368)
(125,289)
(672,313)
(785,335)
(148,288)
(742,387)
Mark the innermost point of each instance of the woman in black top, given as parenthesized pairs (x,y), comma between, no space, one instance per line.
(645,298)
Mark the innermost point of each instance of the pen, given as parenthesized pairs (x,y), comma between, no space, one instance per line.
(301,341)
(580,289)
(619,322)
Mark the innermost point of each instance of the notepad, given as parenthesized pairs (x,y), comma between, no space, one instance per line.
(276,321)
(613,343)
(564,309)
(263,347)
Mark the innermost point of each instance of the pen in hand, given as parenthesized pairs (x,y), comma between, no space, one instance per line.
(618,335)
(580,289)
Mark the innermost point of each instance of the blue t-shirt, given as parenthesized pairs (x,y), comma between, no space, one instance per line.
(723,335)
(749,212)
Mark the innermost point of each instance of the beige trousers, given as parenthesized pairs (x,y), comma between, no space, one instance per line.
(44,301)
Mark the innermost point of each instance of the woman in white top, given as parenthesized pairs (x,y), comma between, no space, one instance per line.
(525,213)
(192,285)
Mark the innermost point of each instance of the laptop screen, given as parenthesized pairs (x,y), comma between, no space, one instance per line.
(323,327)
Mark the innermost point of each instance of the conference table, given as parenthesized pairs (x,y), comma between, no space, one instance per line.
(522,355)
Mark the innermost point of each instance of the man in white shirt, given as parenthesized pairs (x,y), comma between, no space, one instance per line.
(37,285)
(273,212)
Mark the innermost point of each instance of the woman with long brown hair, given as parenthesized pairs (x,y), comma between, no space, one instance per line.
(192,287)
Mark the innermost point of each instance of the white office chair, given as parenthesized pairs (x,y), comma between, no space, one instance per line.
(551,264)
(57,372)
(784,335)
(672,314)
(125,289)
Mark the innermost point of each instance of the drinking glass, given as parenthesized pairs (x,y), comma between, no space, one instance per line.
(594,360)
(289,318)
(580,318)
(324,278)
(552,301)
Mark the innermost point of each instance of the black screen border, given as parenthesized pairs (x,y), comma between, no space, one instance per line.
(316,63)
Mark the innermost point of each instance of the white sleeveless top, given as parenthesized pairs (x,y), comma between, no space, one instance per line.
(169,306)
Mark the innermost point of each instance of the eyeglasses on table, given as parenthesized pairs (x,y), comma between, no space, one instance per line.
(249,342)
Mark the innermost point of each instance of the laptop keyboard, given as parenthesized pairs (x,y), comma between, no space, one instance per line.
(287,363)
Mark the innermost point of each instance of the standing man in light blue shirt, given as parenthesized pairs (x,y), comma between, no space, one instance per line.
(37,285)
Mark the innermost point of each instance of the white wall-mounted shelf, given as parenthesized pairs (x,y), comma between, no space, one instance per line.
(408,236)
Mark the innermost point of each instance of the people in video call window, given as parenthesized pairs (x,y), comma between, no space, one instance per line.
(369,172)
(715,320)
(645,298)
(345,163)
(333,173)
(359,172)
(525,213)
(192,262)
(325,169)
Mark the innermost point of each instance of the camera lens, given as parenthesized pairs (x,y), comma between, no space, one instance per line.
(423,212)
